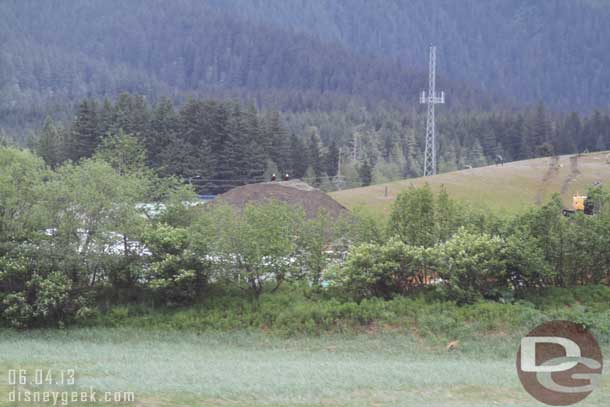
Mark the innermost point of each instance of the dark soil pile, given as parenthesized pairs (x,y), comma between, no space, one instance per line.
(295,193)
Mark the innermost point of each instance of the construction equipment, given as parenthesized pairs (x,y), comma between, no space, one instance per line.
(580,203)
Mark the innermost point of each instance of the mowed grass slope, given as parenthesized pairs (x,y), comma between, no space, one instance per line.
(510,188)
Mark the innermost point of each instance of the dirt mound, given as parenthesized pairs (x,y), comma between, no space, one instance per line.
(294,192)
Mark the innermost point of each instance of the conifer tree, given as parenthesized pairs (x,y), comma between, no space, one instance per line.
(106,118)
(365,171)
(299,157)
(85,131)
(163,128)
(313,150)
(538,130)
(411,152)
(280,144)
(256,147)
(50,144)
(332,159)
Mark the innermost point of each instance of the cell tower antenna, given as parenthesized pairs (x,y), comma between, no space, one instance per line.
(431,99)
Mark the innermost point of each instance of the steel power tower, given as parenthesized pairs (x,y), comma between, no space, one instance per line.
(431,99)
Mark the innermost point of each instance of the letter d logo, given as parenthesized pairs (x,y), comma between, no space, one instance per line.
(528,353)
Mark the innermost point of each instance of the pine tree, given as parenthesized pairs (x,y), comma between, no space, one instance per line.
(449,160)
(570,133)
(475,156)
(256,145)
(163,128)
(538,130)
(50,144)
(411,152)
(280,144)
(123,118)
(515,138)
(487,137)
(332,159)
(106,118)
(365,171)
(315,159)
(85,135)
(230,166)
(140,117)
(299,157)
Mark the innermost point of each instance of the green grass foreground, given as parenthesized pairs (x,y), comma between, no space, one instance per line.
(246,369)
(291,350)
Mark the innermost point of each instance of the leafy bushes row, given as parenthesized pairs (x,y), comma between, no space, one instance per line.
(467,267)
(435,242)
(77,238)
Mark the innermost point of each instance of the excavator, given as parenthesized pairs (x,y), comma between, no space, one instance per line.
(580,203)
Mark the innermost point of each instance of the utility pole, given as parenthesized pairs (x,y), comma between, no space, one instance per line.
(431,99)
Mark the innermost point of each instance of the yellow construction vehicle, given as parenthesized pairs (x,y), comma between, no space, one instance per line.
(580,203)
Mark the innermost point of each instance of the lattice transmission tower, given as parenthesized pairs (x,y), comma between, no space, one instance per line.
(431,99)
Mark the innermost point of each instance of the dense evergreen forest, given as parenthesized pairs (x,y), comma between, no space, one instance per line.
(233,91)
(55,54)
(529,51)
(218,145)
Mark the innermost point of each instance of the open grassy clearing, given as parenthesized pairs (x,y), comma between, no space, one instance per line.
(509,188)
(240,369)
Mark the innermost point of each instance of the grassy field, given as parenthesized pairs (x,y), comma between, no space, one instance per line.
(247,369)
(291,350)
(509,188)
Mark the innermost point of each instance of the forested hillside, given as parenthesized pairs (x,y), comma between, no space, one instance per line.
(54,54)
(554,51)
(224,144)
(298,87)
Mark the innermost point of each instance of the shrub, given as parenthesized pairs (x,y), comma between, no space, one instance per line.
(373,270)
(36,292)
(253,247)
(177,273)
(472,265)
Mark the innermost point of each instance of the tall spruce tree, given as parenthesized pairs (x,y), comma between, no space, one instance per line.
(299,156)
(163,128)
(315,158)
(569,134)
(50,144)
(332,159)
(85,131)
(256,145)
(280,144)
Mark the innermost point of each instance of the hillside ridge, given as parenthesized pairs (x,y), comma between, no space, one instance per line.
(512,187)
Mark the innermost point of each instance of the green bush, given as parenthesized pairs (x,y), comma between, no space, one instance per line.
(373,270)
(36,292)
(472,265)
(177,274)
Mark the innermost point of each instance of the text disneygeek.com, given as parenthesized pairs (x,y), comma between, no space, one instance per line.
(32,386)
